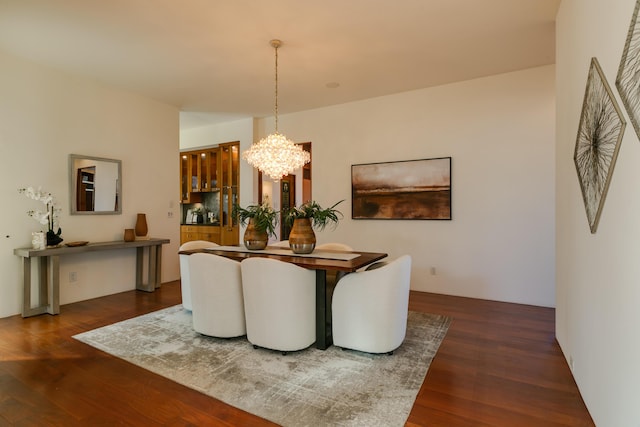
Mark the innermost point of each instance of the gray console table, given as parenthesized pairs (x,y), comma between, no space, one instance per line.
(49,287)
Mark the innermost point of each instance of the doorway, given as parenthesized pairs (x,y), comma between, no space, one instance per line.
(287,201)
(306,175)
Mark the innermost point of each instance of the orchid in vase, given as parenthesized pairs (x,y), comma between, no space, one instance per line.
(49,217)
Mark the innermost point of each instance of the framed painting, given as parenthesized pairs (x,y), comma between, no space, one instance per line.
(599,134)
(410,189)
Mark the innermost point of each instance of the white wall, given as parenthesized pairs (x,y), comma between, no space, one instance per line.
(45,115)
(500,133)
(598,275)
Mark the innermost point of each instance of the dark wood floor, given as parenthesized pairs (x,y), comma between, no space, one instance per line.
(499,365)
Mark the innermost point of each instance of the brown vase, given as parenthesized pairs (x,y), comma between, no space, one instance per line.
(141,227)
(254,239)
(129,235)
(302,239)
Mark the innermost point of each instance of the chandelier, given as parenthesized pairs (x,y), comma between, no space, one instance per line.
(276,155)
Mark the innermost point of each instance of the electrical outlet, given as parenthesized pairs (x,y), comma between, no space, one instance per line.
(433,271)
(73,276)
(169,214)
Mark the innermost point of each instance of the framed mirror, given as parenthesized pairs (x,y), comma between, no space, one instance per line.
(95,185)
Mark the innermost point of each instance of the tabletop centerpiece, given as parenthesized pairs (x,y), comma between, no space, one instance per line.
(304,219)
(49,217)
(261,223)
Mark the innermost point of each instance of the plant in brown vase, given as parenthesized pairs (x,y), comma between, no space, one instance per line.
(304,219)
(261,223)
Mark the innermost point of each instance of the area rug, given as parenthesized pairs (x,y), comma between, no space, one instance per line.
(306,388)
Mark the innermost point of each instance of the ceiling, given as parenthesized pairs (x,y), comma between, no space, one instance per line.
(212,58)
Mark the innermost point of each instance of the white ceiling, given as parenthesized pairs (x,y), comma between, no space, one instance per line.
(213,58)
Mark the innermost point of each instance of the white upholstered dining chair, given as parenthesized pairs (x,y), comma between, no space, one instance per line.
(216,290)
(332,275)
(185,286)
(280,304)
(370,308)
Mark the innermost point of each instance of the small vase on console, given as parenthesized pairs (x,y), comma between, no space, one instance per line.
(38,240)
(53,238)
(141,227)
(129,235)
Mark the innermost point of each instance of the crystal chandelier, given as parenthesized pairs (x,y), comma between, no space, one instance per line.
(276,155)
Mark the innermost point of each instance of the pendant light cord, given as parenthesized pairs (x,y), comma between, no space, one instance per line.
(276,45)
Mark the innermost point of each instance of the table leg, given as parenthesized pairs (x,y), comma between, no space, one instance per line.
(53,286)
(323,312)
(154,275)
(43,293)
(43,281)
(149,287)
(154,267)
(26,286)
(158,266)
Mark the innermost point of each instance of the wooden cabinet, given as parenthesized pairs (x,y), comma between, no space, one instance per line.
(210,233)
(185,187)
(188,233)
(230,174)
(198,174)
(215,169)
(208,170)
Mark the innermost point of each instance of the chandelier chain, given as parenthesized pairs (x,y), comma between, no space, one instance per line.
(276,103)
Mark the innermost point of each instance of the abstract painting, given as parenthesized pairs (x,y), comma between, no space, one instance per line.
(599,134)
(628,79)
(411,189)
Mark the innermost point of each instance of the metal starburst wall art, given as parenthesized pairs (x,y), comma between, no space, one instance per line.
(599,135)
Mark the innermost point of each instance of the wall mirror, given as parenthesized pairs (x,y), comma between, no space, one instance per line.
(95,185)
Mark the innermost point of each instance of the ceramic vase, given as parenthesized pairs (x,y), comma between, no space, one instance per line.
(254,239)
(129,235)
(141,229)
(53,239)
(302,239)
(37,240)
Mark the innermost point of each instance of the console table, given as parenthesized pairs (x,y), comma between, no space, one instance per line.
(49,286)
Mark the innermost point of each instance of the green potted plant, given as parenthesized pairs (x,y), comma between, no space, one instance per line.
(304,219)
(261,223)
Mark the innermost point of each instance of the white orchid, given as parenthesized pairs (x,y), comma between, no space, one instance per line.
(41,217)
(48,217)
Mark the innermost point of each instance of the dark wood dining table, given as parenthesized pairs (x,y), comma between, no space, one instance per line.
(320,261)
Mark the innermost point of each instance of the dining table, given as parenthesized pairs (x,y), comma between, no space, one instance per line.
(321,261)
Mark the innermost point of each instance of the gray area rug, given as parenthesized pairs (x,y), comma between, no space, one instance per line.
(306,388)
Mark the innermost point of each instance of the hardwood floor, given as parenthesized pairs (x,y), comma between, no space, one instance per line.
(499,365)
